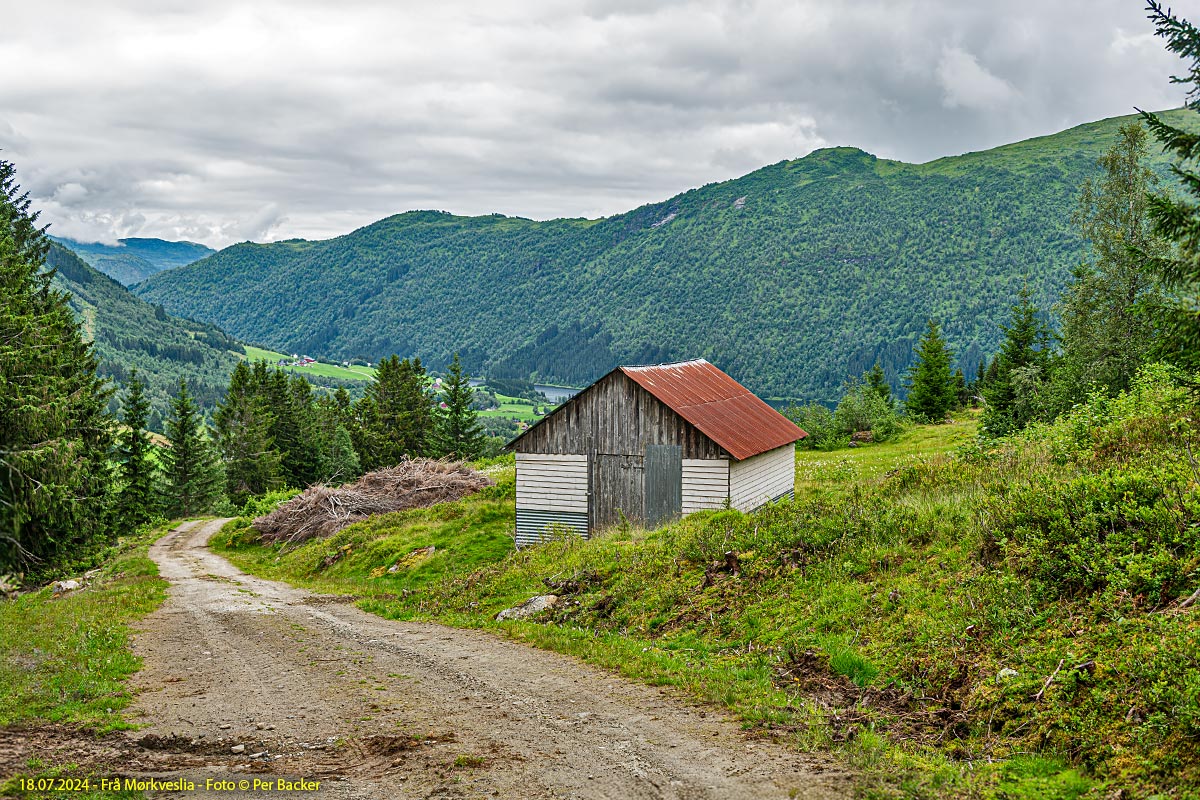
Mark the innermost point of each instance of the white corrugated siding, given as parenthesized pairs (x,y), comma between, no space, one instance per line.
(763,478)
(552,482)
(552,492)
(705,483)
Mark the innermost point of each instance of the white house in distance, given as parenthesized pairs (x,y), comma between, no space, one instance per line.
(652,443)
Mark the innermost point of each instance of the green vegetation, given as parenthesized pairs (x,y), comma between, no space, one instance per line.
(1013,381)
(459,433)
(192,476)
(932,391)
(129,333)
(957,618)
(866,406)
(54,429)
(1106,334)
(388,553)
(273,431)
(396,417)
(133,260)
(1177,316)
(65,659)
(318,369)
(792,278)
(136,502)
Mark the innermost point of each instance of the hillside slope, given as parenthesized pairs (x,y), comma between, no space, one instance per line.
(129,332)
(790,278)
(133,260)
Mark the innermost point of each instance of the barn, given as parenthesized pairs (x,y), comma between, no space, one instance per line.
(652,443)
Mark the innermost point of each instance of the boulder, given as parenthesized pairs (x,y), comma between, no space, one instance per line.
(532,606)
(62,587)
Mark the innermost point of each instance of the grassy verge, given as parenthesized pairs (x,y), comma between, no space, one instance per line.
(956,620)
(66,659)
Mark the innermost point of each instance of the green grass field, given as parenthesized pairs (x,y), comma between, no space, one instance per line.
(354,373)
(515,408)
(818,470)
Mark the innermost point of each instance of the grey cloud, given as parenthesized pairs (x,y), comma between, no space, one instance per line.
(221,121)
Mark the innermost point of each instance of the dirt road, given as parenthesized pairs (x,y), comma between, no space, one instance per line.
(382,709)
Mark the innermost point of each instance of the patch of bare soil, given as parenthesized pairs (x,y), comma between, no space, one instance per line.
(244,676)
(851,708)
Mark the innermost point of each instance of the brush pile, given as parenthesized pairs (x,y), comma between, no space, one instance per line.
(321,511)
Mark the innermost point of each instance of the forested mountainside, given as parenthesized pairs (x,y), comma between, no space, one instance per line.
(133,260)
(791,278)
(130,333)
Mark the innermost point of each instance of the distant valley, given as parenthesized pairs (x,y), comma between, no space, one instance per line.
(133,260)
(130,333)
(791,278)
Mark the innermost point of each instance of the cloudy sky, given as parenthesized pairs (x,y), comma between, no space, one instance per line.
(220,121)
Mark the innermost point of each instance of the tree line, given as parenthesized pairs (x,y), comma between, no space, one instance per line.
(73,476)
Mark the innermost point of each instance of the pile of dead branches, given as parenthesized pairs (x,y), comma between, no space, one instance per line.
(321,511)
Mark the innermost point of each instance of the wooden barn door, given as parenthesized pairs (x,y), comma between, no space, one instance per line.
(617,488)
(664,483)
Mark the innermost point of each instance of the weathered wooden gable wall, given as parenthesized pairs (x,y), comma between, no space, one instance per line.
(616,416)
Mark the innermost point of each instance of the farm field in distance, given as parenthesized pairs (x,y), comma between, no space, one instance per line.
(516,408)
(355,373)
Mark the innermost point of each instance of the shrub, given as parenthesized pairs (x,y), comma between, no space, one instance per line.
(863,409)
(817,421)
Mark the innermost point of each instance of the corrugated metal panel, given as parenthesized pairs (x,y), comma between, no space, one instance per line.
(532,525)
(720,407)
(664,483)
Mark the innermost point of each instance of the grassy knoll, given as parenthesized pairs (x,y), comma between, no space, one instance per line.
(65,659)
(352,373)
(957,620)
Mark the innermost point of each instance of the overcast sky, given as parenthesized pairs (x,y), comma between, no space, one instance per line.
(221,121)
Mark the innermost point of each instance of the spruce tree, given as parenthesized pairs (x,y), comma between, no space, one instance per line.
(1015,387)
(192,474)
(1105,335)
(459,433)
(1177,218)
(395,416)
(877,381)
(242,428)
(931,387)
(55,432)
(137,501)
(337,461)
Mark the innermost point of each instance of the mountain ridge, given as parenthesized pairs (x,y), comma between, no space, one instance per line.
(792,277)
(128,333)
(135,259)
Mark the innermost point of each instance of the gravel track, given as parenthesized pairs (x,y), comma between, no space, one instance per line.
(373,708)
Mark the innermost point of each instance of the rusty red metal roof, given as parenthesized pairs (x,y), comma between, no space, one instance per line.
(720,407)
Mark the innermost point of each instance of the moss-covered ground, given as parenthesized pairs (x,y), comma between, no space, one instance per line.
(956,618)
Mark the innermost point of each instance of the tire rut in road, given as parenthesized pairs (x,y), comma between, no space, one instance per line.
(375,708)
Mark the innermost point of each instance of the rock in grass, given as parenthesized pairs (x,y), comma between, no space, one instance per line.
(534,605)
